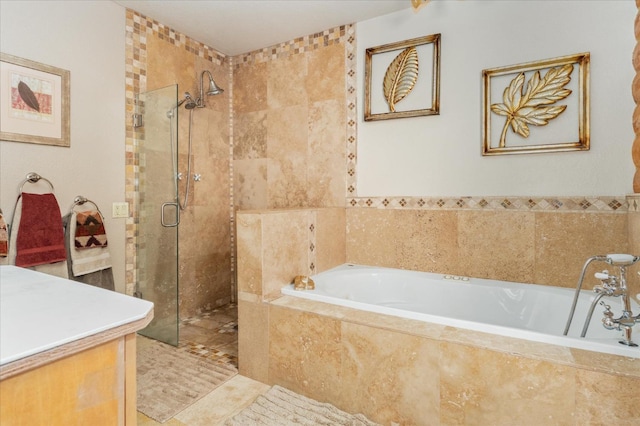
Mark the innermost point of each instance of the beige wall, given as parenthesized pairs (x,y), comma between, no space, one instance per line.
(87,39)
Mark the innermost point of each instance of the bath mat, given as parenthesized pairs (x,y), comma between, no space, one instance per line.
(170,379)
(279,407)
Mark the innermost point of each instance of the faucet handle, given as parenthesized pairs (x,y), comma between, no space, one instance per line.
(602,276)
(607,312)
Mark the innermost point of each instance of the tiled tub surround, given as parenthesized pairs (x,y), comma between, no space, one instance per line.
(525,311)
(404,371)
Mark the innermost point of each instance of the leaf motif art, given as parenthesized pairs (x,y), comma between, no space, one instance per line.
(28,96)
(400,77)
(531,106)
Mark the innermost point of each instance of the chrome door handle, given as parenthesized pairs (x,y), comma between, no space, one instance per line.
(177,222)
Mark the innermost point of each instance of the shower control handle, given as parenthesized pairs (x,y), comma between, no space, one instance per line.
(177,215)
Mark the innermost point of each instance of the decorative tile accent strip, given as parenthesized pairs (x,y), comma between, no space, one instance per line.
(299,45)
(312,220)
(352,110)
(232,213)
(574,204)
(633,201)
(137,27)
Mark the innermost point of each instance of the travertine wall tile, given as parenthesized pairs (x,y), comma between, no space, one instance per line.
(285,248)
(616,399)
(390,377)
(250,88)
(305,353)
(253,340)
(286,82)
(565,241)
(301,101)
(532,247)
(498,245)
(250,252)
(287,151)
(633,218)
(250,135)
(330,242)
(250,184)
(326,74)
(371,237)
(482,387)
(426,240)
(326,154)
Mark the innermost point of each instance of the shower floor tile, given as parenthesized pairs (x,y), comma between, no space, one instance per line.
(212,334)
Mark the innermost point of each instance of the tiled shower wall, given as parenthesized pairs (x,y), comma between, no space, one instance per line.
(289,130)
(158,57)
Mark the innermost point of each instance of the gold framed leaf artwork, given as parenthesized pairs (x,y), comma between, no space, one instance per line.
(537,106)
(402,79)
(34,102)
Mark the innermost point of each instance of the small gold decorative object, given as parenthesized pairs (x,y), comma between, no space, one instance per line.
(531,107)
(418,4)
(400,77)
(303,282)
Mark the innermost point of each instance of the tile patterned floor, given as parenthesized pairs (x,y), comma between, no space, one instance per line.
(214,335)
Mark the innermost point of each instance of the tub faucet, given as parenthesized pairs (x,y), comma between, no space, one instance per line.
(615,286)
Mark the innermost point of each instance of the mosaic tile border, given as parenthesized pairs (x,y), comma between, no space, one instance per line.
(298,45)
(352,110)
(137,27)
(232,213)
(573,204)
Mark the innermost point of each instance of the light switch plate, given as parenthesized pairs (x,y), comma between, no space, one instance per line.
(120,209)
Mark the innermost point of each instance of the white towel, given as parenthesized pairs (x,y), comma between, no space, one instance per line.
(88,260)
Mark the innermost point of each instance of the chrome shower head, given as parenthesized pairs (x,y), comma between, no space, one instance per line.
(212,90)
(190,103)
(213,87)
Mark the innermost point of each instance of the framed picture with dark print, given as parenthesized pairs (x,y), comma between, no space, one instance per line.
(403,79)
(34,102)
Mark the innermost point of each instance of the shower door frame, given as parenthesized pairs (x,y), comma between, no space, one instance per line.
(157,278)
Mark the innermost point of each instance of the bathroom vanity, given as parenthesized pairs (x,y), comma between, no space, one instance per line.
(67,351)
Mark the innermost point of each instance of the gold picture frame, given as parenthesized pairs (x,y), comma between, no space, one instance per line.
(34,102)
(398,84)
(550,96)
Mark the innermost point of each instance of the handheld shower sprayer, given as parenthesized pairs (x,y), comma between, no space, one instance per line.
(622,259)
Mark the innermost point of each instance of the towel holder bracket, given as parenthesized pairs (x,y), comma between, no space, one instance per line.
(33,177)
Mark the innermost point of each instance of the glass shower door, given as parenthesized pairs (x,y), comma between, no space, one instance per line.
(158,211)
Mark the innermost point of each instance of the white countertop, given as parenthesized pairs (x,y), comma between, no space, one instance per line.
(39,312)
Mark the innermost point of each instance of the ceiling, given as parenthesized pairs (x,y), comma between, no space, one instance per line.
(239,26)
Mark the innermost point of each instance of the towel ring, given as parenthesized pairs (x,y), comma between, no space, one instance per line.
(33,177)
(80,200)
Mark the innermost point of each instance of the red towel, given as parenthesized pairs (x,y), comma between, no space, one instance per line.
(40,237)
(4,237)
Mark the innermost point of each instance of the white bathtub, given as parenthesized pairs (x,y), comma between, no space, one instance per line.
(524,311)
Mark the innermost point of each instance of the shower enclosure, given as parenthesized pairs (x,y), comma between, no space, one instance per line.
(158,210)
